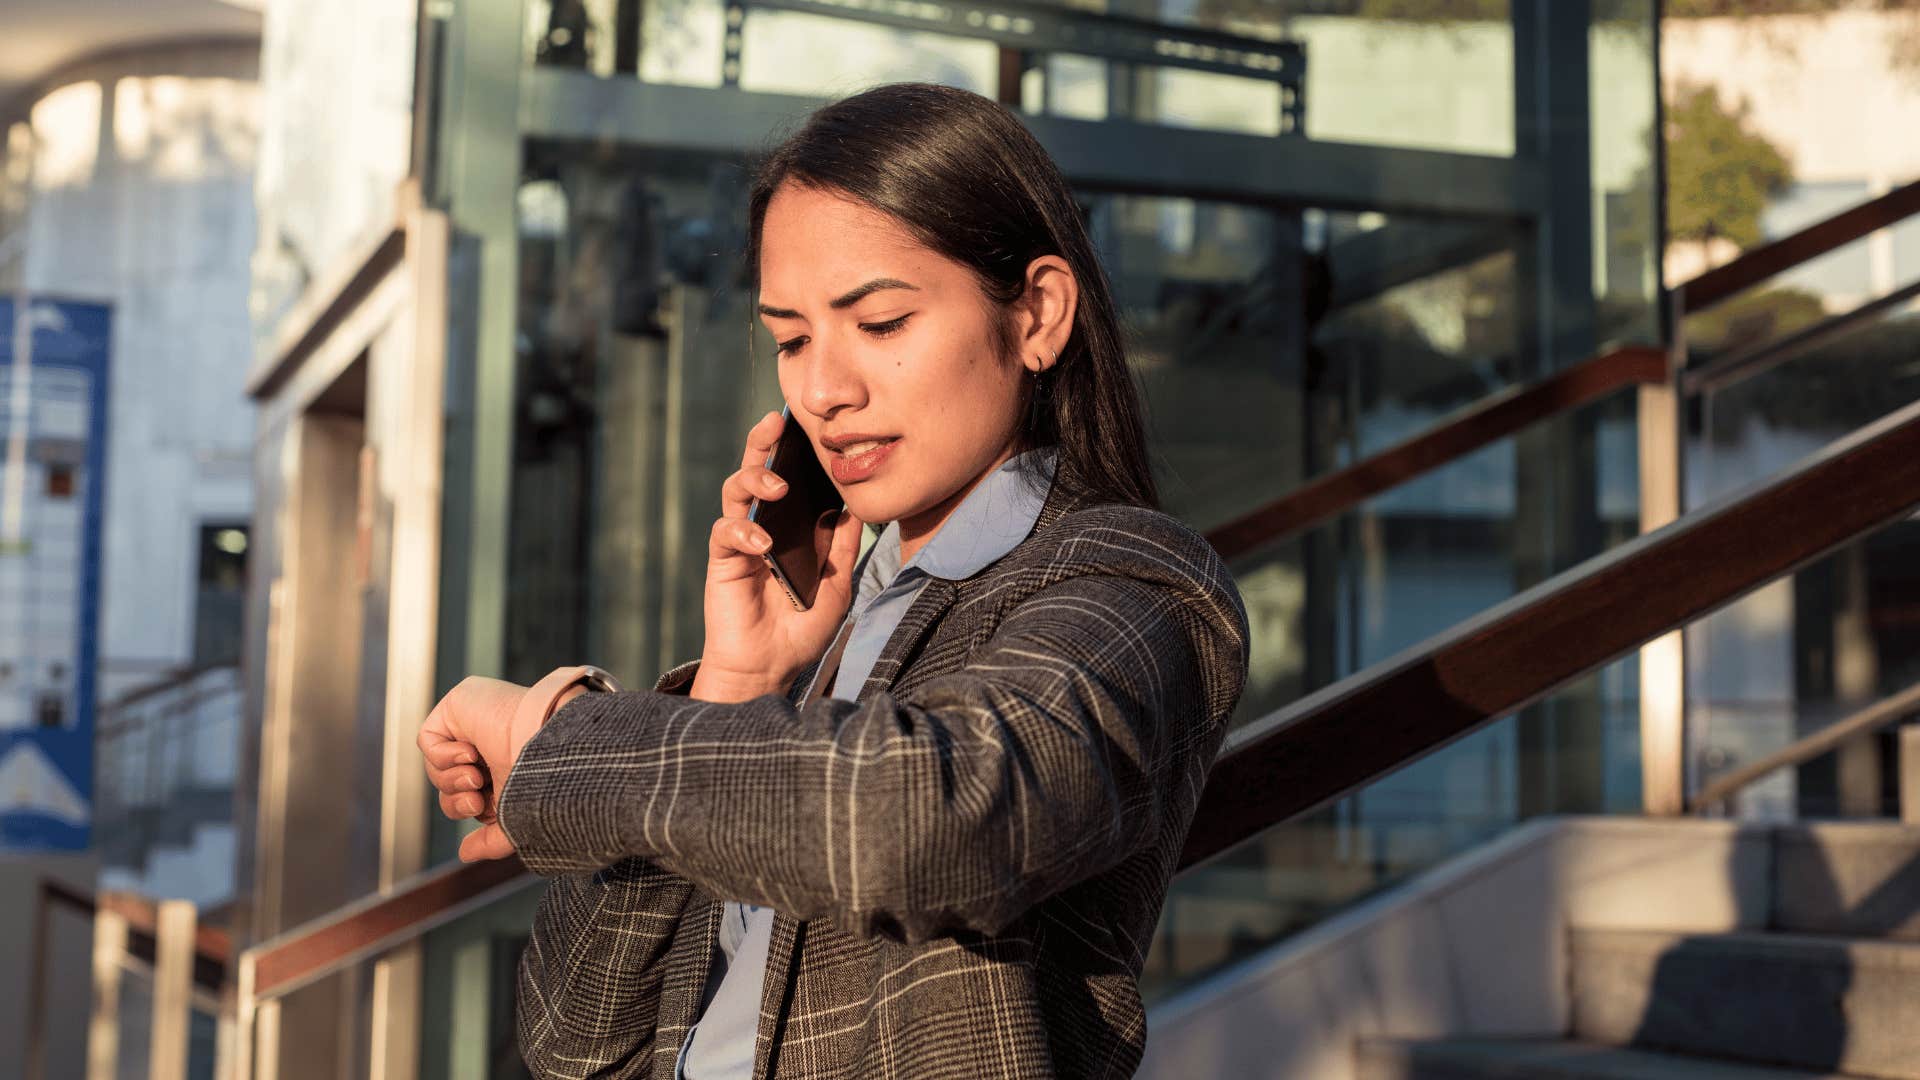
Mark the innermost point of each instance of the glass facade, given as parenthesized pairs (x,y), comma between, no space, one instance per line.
(1328,224)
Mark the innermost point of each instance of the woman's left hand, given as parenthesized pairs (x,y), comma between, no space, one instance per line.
(470,744)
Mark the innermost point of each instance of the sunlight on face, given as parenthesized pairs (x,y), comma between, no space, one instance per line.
(889,358)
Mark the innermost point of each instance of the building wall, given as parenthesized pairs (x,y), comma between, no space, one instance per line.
(140,198)
(336,124)
(1838,98)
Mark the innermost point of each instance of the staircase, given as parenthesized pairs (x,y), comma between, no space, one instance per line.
(1828,986)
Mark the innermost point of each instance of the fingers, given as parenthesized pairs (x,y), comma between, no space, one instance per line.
(843,552)
(462,805)
(738,491)
(486,842)
(446,753)
(760,439)
(737,536)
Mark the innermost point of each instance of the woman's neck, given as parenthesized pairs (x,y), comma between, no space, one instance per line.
(919,529)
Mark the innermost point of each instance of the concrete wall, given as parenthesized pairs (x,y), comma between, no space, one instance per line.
(1474,947)
(69,987)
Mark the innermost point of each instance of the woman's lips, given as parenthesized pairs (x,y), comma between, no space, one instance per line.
(854,466)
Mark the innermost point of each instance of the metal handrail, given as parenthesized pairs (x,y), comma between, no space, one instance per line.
(1870,719)
(1307,755)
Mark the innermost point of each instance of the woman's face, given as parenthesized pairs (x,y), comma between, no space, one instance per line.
(889,356)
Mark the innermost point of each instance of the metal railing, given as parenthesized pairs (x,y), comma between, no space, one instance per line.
(164,942)
(1719,793)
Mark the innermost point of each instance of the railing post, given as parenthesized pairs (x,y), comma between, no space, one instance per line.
(103,1029)
(1663,665)
(37,989)
(243,1043)
(1910,773)
(173,953)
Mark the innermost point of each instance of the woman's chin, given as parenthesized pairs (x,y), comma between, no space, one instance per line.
(872,504)
(873,511)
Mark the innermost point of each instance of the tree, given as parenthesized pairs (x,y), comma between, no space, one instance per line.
(1720,172)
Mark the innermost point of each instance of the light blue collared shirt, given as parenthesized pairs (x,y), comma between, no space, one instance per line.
(991,521)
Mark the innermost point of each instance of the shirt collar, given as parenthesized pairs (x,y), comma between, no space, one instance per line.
(992,520)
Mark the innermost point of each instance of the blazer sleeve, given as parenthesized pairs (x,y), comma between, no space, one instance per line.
(1079,733)
(590,979)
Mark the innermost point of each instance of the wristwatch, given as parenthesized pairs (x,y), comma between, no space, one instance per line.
(538,703)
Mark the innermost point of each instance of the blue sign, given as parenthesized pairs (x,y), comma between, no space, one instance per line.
(53,440)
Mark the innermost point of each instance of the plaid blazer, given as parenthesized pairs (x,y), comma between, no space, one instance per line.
(967,864)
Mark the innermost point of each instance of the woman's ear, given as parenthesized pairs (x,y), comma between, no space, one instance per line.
(1048,305)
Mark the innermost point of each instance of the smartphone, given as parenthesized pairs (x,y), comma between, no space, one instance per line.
(800,539)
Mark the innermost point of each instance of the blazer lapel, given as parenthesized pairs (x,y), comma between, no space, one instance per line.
(782,947)
(921,617)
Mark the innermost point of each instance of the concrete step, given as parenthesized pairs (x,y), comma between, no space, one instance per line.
(1857,879)
(1532,1059)
(1789,1000)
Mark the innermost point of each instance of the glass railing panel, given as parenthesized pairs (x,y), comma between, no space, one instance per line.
(1805,651)
(468,1031)
(1794,658)
(1576,752)
(1444,547)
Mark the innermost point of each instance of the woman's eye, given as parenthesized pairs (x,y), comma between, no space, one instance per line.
(885,329)
(789,345)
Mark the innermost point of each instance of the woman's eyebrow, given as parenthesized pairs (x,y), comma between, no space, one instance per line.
(851,298)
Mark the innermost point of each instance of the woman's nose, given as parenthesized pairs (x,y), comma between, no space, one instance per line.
(833,381)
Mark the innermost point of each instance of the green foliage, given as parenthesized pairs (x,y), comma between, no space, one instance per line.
(1708,9)
(1720,173)
(1434,10)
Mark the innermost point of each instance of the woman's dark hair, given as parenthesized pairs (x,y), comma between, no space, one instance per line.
(969,181)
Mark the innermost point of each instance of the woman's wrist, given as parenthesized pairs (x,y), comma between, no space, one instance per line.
(717,685)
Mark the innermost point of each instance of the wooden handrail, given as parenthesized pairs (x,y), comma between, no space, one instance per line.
(377,923)
(1486,421)
(1815,240)
(1870,719)
(1390,715)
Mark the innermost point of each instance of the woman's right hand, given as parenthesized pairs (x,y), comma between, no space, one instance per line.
(756,642)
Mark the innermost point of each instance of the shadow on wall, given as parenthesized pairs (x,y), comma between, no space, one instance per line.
(1794,996)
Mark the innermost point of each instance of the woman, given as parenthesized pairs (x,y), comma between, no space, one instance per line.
(924,828)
